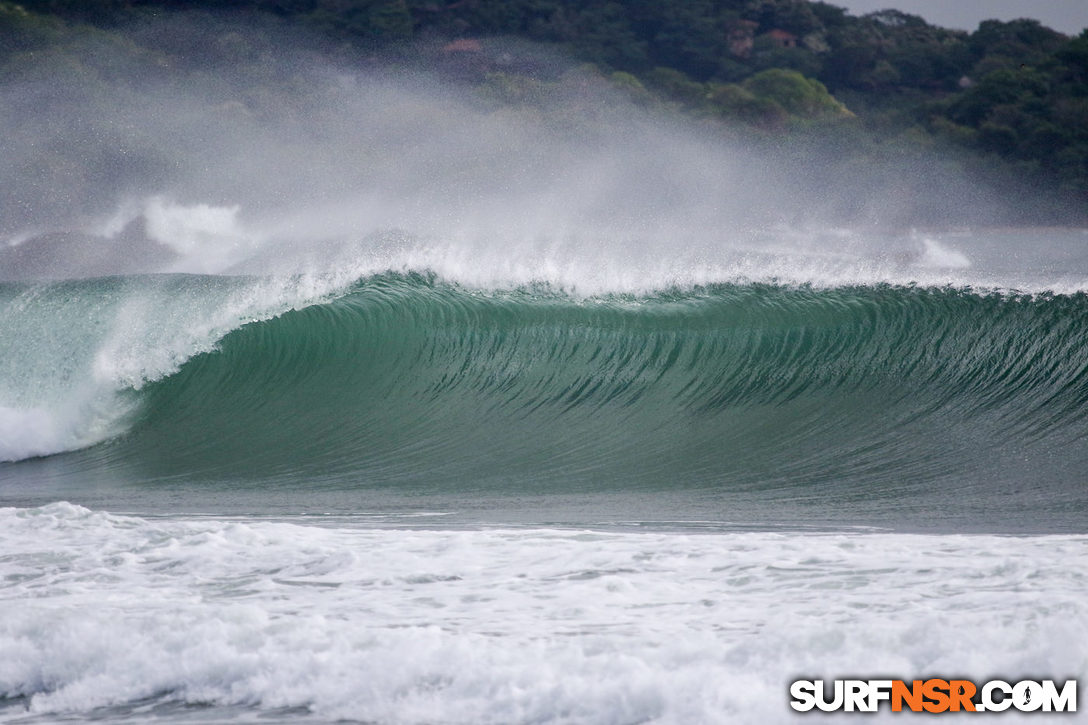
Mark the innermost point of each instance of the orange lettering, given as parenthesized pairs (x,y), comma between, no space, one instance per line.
(912,695)
(961,692)
(935,692)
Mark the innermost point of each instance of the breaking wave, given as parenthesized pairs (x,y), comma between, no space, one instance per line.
(404,378)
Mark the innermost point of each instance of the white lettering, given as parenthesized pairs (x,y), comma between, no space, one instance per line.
(804,695)
(1064,701)
(821,699)
(988,701)
(878,690)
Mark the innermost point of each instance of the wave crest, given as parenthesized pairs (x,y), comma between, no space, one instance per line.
(407,379)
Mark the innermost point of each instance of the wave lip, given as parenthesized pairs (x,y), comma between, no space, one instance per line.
(76,354)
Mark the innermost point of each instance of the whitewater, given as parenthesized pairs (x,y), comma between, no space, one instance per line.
(408,498)
(189,620)
(422,413)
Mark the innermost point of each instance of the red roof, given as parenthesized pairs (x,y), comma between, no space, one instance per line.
(779,34)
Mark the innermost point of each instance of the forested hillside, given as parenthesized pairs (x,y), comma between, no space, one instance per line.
(1012,97)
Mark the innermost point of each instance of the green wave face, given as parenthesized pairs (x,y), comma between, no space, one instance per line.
(866,404)
(404,382)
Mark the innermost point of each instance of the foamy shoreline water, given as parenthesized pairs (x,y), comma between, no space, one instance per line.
(105,613)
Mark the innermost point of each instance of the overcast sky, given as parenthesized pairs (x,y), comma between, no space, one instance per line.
(1067,16)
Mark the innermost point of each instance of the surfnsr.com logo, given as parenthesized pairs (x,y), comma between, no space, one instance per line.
(933,695)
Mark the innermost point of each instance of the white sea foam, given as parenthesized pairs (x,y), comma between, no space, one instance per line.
(71,351)
(75,423)
(939,255)
(26,432)
(205,235)
(512,626)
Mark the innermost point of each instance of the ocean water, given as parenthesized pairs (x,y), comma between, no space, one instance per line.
(402,481)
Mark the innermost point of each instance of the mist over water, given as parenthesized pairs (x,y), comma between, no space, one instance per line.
(282,162)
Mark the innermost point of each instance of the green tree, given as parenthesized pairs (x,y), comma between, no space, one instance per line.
(677,86)
(736,102)
(801,97)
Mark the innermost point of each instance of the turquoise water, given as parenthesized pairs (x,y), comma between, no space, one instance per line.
(916,408)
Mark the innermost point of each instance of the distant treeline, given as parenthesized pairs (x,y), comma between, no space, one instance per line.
(1014,94)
